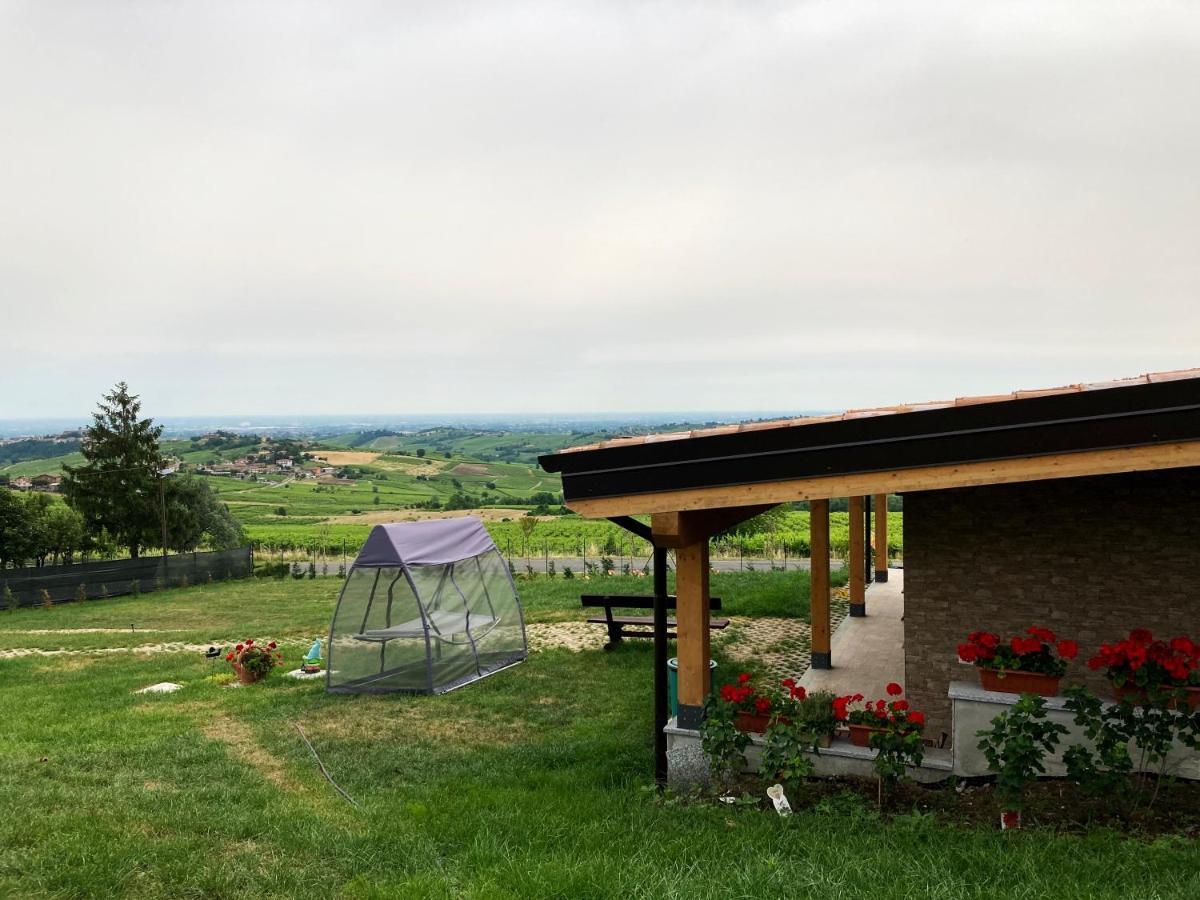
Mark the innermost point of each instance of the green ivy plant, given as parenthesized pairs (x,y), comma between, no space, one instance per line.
(723,744)
(785,757)
(1016,746)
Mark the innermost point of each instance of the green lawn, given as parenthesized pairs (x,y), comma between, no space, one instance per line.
(532,783)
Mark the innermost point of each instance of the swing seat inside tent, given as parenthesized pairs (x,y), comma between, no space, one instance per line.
(440,625)
(426,607)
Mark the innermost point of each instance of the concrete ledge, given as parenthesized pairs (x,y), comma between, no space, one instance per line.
(973,709)
(840,758)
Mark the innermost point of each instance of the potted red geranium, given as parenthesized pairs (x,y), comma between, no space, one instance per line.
(1143,670)
(253,661)
(752,710)
(877,716)
(1029,663)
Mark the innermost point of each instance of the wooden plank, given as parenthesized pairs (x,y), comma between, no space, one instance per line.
(675,529)
(818,541)
(691,589)
(858,555)
(881,537)
(928,478)
(633,601)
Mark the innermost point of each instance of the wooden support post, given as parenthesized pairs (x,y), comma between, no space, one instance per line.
(881,538)
(691,614)
(818,541)
(858,553)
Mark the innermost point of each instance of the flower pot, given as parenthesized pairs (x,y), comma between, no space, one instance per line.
(860,735)
(1139,697)
(825,741)
(1014,681)
(1010,818)
(751,722)
(245,676)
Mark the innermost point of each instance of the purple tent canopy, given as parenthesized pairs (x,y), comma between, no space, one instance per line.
(430,543)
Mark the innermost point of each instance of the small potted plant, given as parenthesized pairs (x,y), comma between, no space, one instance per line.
(1029,663)
(253,661)
(1143,671)
(812,713)
(876,716)
(751,710)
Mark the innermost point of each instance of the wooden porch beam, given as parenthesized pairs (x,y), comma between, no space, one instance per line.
(881,537)
(681,529)
(928,478)
(858,557)
(693,648)
(818,541)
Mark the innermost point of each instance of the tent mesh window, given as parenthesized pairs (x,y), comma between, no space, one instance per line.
(426,607)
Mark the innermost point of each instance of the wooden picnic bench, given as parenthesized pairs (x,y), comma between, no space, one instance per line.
(620,627)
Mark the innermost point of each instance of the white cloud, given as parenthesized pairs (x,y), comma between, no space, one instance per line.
(314,207)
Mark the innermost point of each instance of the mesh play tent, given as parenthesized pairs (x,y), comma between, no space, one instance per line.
(426,607)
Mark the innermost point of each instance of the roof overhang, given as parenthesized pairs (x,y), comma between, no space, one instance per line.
(1124,429)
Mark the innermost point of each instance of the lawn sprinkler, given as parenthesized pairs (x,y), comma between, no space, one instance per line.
(312,659)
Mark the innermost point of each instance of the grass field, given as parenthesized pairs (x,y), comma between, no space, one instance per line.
(533,783)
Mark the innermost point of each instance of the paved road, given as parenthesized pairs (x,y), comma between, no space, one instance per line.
(576,563)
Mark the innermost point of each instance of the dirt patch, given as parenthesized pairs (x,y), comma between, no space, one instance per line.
(170,647)
(237,739)
(471,469)
(347,457)
(412,515)
(379,721)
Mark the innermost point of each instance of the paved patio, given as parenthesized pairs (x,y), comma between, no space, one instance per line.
(867,652)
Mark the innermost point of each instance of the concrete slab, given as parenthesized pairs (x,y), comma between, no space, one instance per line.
(867,652)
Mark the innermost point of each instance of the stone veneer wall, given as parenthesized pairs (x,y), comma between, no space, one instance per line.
(1090,558)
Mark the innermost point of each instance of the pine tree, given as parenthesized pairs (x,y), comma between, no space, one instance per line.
(116,489)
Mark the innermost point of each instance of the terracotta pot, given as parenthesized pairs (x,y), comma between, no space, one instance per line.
(751,722)
(1010,818)
(245,676)
(1014,681)
(860,735)
(1138,697)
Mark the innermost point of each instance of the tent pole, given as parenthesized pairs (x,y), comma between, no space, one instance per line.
(660,665)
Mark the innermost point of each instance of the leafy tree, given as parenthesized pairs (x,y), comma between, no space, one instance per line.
(420,452)
(196,516)
(117,486)
(14,528)
(65,532)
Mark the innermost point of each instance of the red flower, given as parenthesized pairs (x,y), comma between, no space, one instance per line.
(1042,634)
(917,717)
(894,689)
(1140,636)
(239,647)
(743,678)
(788,683)
(1068,649)
(797,692)
(1184,645)
(899,705)
(229,657)
(968,652)
(271,646)
(989,640)
(762,704)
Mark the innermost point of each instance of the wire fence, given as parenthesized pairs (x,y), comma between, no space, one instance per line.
(47,585)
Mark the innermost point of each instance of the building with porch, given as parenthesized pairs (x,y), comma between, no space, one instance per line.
(1076,507)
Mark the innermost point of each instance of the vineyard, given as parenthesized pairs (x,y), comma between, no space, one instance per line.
(572,536)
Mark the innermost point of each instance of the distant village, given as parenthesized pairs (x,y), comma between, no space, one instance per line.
(268,459)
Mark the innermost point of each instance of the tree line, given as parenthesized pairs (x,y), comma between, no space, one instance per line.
(123,496)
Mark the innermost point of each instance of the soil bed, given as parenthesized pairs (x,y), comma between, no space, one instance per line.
(1057,804)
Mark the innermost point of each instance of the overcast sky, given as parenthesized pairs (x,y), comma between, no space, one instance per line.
(342,207)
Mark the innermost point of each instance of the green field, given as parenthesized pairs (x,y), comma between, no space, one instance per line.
(532,783)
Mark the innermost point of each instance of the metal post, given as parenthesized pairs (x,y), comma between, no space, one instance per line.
(162,511)
(661,707)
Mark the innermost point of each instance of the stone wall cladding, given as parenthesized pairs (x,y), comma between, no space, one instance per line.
(1090,558)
